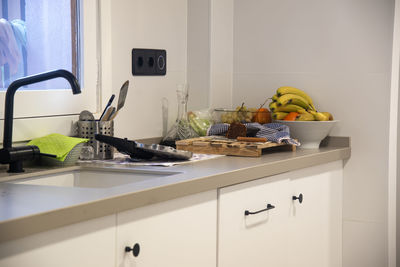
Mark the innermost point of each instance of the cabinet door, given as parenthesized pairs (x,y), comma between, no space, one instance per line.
(256,240)
(90,243)
(315,224)
(180,232)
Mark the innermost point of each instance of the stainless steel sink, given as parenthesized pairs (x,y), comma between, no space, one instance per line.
(94,178)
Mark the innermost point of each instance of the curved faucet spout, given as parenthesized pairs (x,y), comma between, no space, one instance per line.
(14,86)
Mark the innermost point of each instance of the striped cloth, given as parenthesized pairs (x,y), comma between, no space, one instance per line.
(274,132)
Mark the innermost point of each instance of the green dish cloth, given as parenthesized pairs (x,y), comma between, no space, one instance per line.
(57,144)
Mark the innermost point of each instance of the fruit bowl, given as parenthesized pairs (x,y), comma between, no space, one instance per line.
(309,133)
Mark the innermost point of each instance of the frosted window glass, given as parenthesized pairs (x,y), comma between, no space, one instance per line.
(42,42)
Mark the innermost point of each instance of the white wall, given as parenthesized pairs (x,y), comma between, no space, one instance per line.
(221,53)
(198,56)
(394,148)
(128,24)
(339,51)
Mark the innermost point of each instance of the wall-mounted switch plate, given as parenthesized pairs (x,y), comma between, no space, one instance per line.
(149,61)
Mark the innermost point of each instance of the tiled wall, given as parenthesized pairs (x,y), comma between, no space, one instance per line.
(339,51)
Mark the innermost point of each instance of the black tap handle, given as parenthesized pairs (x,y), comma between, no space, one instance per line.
(269,207)
(299,198)
(16,155)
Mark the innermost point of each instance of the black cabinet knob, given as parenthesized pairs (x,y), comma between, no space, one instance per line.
(299,198)
(135,249)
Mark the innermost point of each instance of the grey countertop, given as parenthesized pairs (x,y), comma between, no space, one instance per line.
(28,209)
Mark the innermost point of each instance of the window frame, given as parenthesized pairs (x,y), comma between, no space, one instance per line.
(40,112)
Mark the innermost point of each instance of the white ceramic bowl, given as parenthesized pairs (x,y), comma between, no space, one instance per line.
(309,133)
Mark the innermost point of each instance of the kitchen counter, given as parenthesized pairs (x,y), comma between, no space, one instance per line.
(27,209)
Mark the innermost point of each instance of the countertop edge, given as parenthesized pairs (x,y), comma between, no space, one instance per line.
(25,226)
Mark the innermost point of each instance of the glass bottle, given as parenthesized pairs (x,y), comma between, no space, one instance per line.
(181,128)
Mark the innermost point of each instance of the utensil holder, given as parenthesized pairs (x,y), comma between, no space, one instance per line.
(87,129)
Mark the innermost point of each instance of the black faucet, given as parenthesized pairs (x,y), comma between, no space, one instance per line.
(16,155)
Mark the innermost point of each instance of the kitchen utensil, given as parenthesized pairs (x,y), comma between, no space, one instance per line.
(121,98)
(107,106)
(107,114)
(143,151)
(112,113)
(88,130)
(86,116)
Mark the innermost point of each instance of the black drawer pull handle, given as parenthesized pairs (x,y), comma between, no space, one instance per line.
(269,207)
(300,198)
(135,249)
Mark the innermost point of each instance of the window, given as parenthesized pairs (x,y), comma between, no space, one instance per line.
(34,38)
(42,35)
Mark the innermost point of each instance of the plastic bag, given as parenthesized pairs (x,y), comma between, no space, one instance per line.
(200,121)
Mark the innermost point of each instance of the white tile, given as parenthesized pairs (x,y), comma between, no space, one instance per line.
(144,24)
(149,24)
(364,244)
(312,35)
(142,115)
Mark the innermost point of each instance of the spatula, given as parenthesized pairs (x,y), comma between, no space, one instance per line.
(108,113)
(121,99)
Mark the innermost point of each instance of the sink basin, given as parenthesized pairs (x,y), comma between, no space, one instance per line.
(94,178)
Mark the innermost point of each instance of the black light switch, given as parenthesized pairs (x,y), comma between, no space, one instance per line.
(149,62)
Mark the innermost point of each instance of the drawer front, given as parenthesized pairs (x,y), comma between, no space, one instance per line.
(292,234)
(254,239)
(180,232)
(89,243)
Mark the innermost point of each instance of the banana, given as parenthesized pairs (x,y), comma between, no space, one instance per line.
(274,98)
(319,116)
(289,108)
(273,106)
(279,115)
(329,115)
(293,99)
(305,117)
(291,90)
(302,111)
(322,117)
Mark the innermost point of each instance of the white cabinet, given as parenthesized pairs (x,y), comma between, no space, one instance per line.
(90,243)
(291,234)
(315,225)
(179,232)
(207,229)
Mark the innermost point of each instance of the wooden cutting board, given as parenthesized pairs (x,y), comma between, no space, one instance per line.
(232,147)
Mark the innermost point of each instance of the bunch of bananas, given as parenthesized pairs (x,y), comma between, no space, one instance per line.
(289,99)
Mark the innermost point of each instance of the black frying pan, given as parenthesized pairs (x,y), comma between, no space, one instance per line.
(142,151)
